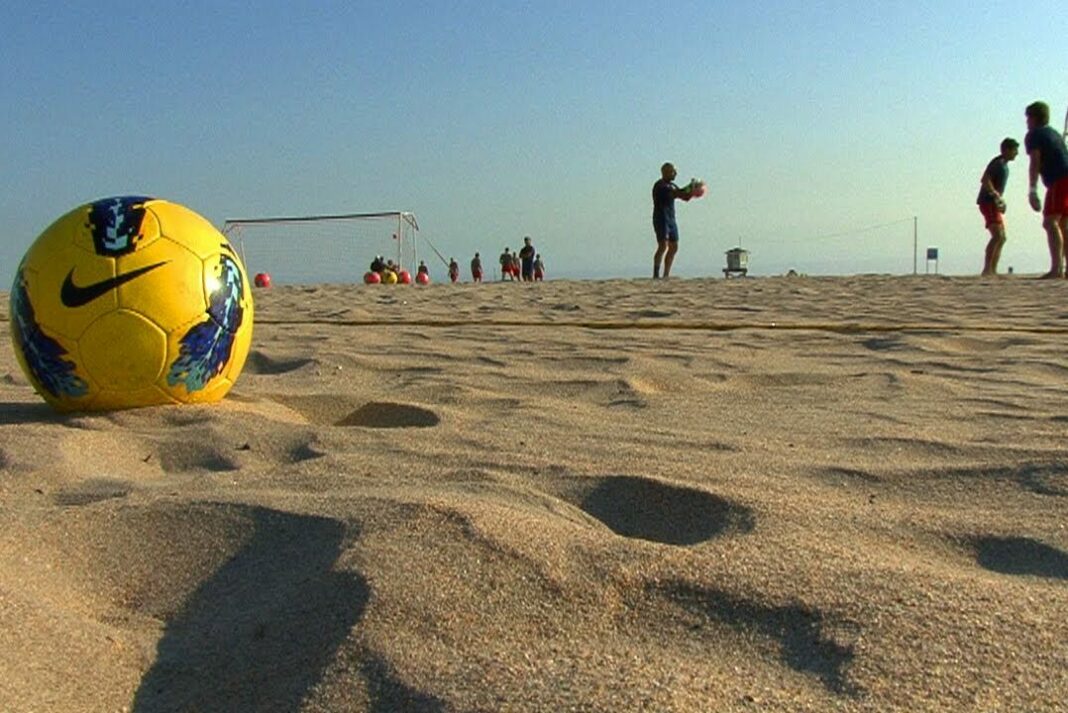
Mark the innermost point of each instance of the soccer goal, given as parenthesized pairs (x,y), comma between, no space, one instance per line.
(324,248)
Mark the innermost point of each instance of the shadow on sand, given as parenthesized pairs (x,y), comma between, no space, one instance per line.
(259,633)
(14,413)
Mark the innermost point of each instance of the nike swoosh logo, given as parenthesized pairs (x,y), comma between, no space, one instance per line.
(77,296)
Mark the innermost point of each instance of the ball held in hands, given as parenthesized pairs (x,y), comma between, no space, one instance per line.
(697,188)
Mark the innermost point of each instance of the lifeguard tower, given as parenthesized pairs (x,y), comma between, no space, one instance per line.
(932,256)
(737,263)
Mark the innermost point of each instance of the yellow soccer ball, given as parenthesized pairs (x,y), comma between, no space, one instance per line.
(129,302)
(389,277)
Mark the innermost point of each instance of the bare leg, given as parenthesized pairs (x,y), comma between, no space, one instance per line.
(1055,238)
(1064,237)
(993,249)
(672,248)
(661,246)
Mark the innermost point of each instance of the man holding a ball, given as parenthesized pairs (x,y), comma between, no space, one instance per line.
(667,230)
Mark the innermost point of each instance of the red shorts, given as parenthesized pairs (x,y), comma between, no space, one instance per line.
(1057,198)
(992,214)
(538,274)
(476,275)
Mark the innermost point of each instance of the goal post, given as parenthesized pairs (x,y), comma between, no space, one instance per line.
(324,248)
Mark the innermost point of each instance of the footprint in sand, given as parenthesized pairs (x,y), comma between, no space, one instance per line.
(192,455)
(611,393)
(341,410)
(1043,479)
(652,314)
(384,414)
(806,639)
(884,344)
(648,509)
(260,363)
(307,449)
(92,491)
(1020,556)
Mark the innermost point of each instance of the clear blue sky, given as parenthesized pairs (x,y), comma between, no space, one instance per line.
(492,120)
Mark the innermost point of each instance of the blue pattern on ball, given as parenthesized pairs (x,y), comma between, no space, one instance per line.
(207,346)
(116,223)
(43,355)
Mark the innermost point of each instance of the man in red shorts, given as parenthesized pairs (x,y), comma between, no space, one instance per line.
(1049,159)
(506,264)
(991,202)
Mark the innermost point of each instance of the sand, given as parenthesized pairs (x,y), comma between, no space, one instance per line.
(782,494)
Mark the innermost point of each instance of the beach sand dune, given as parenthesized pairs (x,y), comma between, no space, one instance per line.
(842,494)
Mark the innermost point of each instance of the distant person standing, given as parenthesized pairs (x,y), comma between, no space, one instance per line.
(539,268)
(454,270)
(476,268)
(664,226)
(506,264)
(991,202)
(1049,159)
(526,259)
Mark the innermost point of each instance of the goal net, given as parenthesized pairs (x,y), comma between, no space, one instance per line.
(324,248)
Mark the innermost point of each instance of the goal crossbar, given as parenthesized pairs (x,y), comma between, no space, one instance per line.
(406,216)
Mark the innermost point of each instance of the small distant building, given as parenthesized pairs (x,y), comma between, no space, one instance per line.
(932,256)
(737,263)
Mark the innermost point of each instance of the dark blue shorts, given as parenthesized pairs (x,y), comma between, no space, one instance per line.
(666,231)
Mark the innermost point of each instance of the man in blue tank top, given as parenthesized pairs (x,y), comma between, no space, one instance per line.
(1049,159)
(667,231)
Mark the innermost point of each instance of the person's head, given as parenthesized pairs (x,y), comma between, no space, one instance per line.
(526,240)
(1037,114)
(668,172)
(1009,148)
(476,254)
(538,256)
